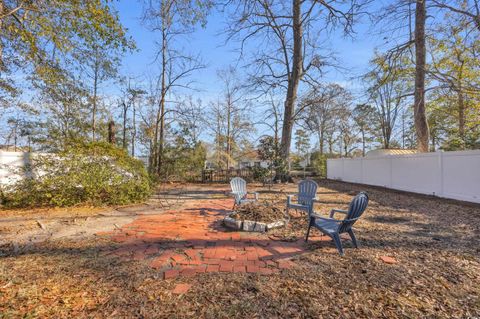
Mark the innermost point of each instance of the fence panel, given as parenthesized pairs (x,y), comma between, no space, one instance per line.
(11,166)
(376,171)
(461,175)
(453,175)
(419,173)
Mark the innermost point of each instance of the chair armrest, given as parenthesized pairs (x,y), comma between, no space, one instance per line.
(255,194)
(289,198)
(341,211)
(329,219)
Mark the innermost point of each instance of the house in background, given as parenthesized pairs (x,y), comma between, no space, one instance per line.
(250,160)
(244,160)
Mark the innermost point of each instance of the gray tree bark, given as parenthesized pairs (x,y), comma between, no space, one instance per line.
(293,81)
(421,124)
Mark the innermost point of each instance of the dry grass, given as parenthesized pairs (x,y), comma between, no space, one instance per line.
(435,242)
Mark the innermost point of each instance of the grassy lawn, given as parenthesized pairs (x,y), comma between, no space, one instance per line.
(435,244)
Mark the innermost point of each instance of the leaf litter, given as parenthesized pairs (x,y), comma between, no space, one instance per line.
(435,242)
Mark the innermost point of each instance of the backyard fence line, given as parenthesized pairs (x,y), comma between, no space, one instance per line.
(225,175)
(454,175)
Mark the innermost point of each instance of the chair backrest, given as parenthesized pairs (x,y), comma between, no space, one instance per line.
(357,206)
(239,187)
(307,190)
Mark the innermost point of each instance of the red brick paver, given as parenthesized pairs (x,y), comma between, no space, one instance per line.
(192,240)
(181,289)
(388,259)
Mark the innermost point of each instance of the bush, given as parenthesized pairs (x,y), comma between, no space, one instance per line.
(260,173)
(183,162)
(91,173)
(319,163)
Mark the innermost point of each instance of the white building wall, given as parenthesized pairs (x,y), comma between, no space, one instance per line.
(453,175)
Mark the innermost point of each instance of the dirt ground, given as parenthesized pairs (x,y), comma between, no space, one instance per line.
(53,263)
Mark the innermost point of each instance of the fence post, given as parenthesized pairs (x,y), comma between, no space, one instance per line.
(361,170)
(440,166)
(391,172)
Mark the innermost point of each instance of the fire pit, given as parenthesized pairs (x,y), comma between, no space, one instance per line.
(256,217)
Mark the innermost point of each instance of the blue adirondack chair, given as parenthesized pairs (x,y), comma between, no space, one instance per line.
(307,190)
(334,227)
(239,191)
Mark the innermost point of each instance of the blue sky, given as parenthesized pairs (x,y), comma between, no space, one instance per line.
(353,54)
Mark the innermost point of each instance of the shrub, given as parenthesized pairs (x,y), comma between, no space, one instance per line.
(260,173)
(91,173)
(183,162)
(319,163)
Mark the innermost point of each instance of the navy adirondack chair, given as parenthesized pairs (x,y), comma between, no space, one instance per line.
(334,227)
(239,191)
(307,190)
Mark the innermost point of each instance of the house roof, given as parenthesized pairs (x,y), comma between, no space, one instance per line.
(383,152)
(249,156)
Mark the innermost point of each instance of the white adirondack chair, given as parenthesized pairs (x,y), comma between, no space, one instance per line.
(239,191)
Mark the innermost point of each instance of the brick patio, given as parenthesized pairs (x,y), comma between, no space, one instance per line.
(192,240)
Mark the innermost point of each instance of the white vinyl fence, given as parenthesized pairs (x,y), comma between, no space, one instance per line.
(453,175)
(12,166)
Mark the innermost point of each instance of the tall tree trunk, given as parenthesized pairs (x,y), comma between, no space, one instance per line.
(1,27)
(111,132)
(388,136)
(95,88)
(154,148)
(293,81)
(134,129)
(161,132)
(461,118)
(229,141)
(421,124)
(124,137)
(461,103)
(321,140)
(161,135)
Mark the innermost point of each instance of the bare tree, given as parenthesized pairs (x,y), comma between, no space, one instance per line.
(467,8)
(363,116)
(320,110)
(172,19)
(273,119)
(388,91)
(231,122)
(235,106)
(191,119)
(347,130)
(289,33)
(398,15)
(98,65)
(130,95)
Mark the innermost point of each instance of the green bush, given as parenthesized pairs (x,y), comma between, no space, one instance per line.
(319,163)
(183,162)
(92,173)
(260,173)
